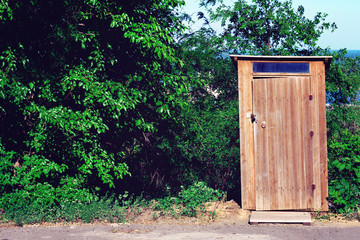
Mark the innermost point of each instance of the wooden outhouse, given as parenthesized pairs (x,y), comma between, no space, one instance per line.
(283,132)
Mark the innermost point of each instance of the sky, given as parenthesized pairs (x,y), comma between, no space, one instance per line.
(345,13)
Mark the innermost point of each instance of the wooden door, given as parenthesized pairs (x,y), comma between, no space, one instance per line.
(282,143)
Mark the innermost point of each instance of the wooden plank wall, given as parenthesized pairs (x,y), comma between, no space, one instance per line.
(323,138)
(268,182)
(300,108)
(279,159)
(320,172)
(261,138)
(246,136)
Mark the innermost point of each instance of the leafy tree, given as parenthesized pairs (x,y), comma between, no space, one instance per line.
(343,79)
(268,27)
(205,146)
(206,60)
(194,148)
(81,84)
(342,88)
(343,120)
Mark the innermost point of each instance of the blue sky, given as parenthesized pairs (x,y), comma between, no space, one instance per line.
(345,13)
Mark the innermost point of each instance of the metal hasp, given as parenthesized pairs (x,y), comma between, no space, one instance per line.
(253,118)
(283,157)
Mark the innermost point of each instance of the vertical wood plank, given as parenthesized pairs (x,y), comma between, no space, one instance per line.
(270,125)
(258,109)
(247,164)
(261,145)
(293,151)
(287,144)
(308,160)
(316,136)
(280,99)
(265,160)
(266,183)
(300,141)
(324,205)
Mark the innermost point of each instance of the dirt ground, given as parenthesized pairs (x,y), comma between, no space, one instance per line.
(231,222)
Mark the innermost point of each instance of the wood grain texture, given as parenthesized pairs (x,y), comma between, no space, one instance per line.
(246,136)
(279,91)
(293,153)
(279,156)
(283,163)
(300,141)
(316,137)
(271,130)
(258,92)
(288,145)
(260,108)
(323,189)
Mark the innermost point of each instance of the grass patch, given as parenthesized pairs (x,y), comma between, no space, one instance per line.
(189,202)
(108,209)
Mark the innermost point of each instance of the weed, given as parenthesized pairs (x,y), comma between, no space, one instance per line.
(212,215)
(189,202)
(108,209)
(195,196)
(352,214)
(321,215)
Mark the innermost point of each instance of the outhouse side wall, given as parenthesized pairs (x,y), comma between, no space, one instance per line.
(319,139)
(247,157)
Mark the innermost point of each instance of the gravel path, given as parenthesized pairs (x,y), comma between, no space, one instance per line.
(231,224)
(176,232)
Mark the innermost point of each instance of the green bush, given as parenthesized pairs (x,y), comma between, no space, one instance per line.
(344,171)
(189,201)
(195,196)
(206,148)
(79,92)
(198,194)
(343,120)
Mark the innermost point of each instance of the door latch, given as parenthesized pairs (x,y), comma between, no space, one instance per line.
(253,118)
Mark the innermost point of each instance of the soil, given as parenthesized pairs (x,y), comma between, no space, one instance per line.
(230,222)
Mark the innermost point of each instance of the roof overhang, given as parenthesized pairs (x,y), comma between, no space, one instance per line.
(325,59)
